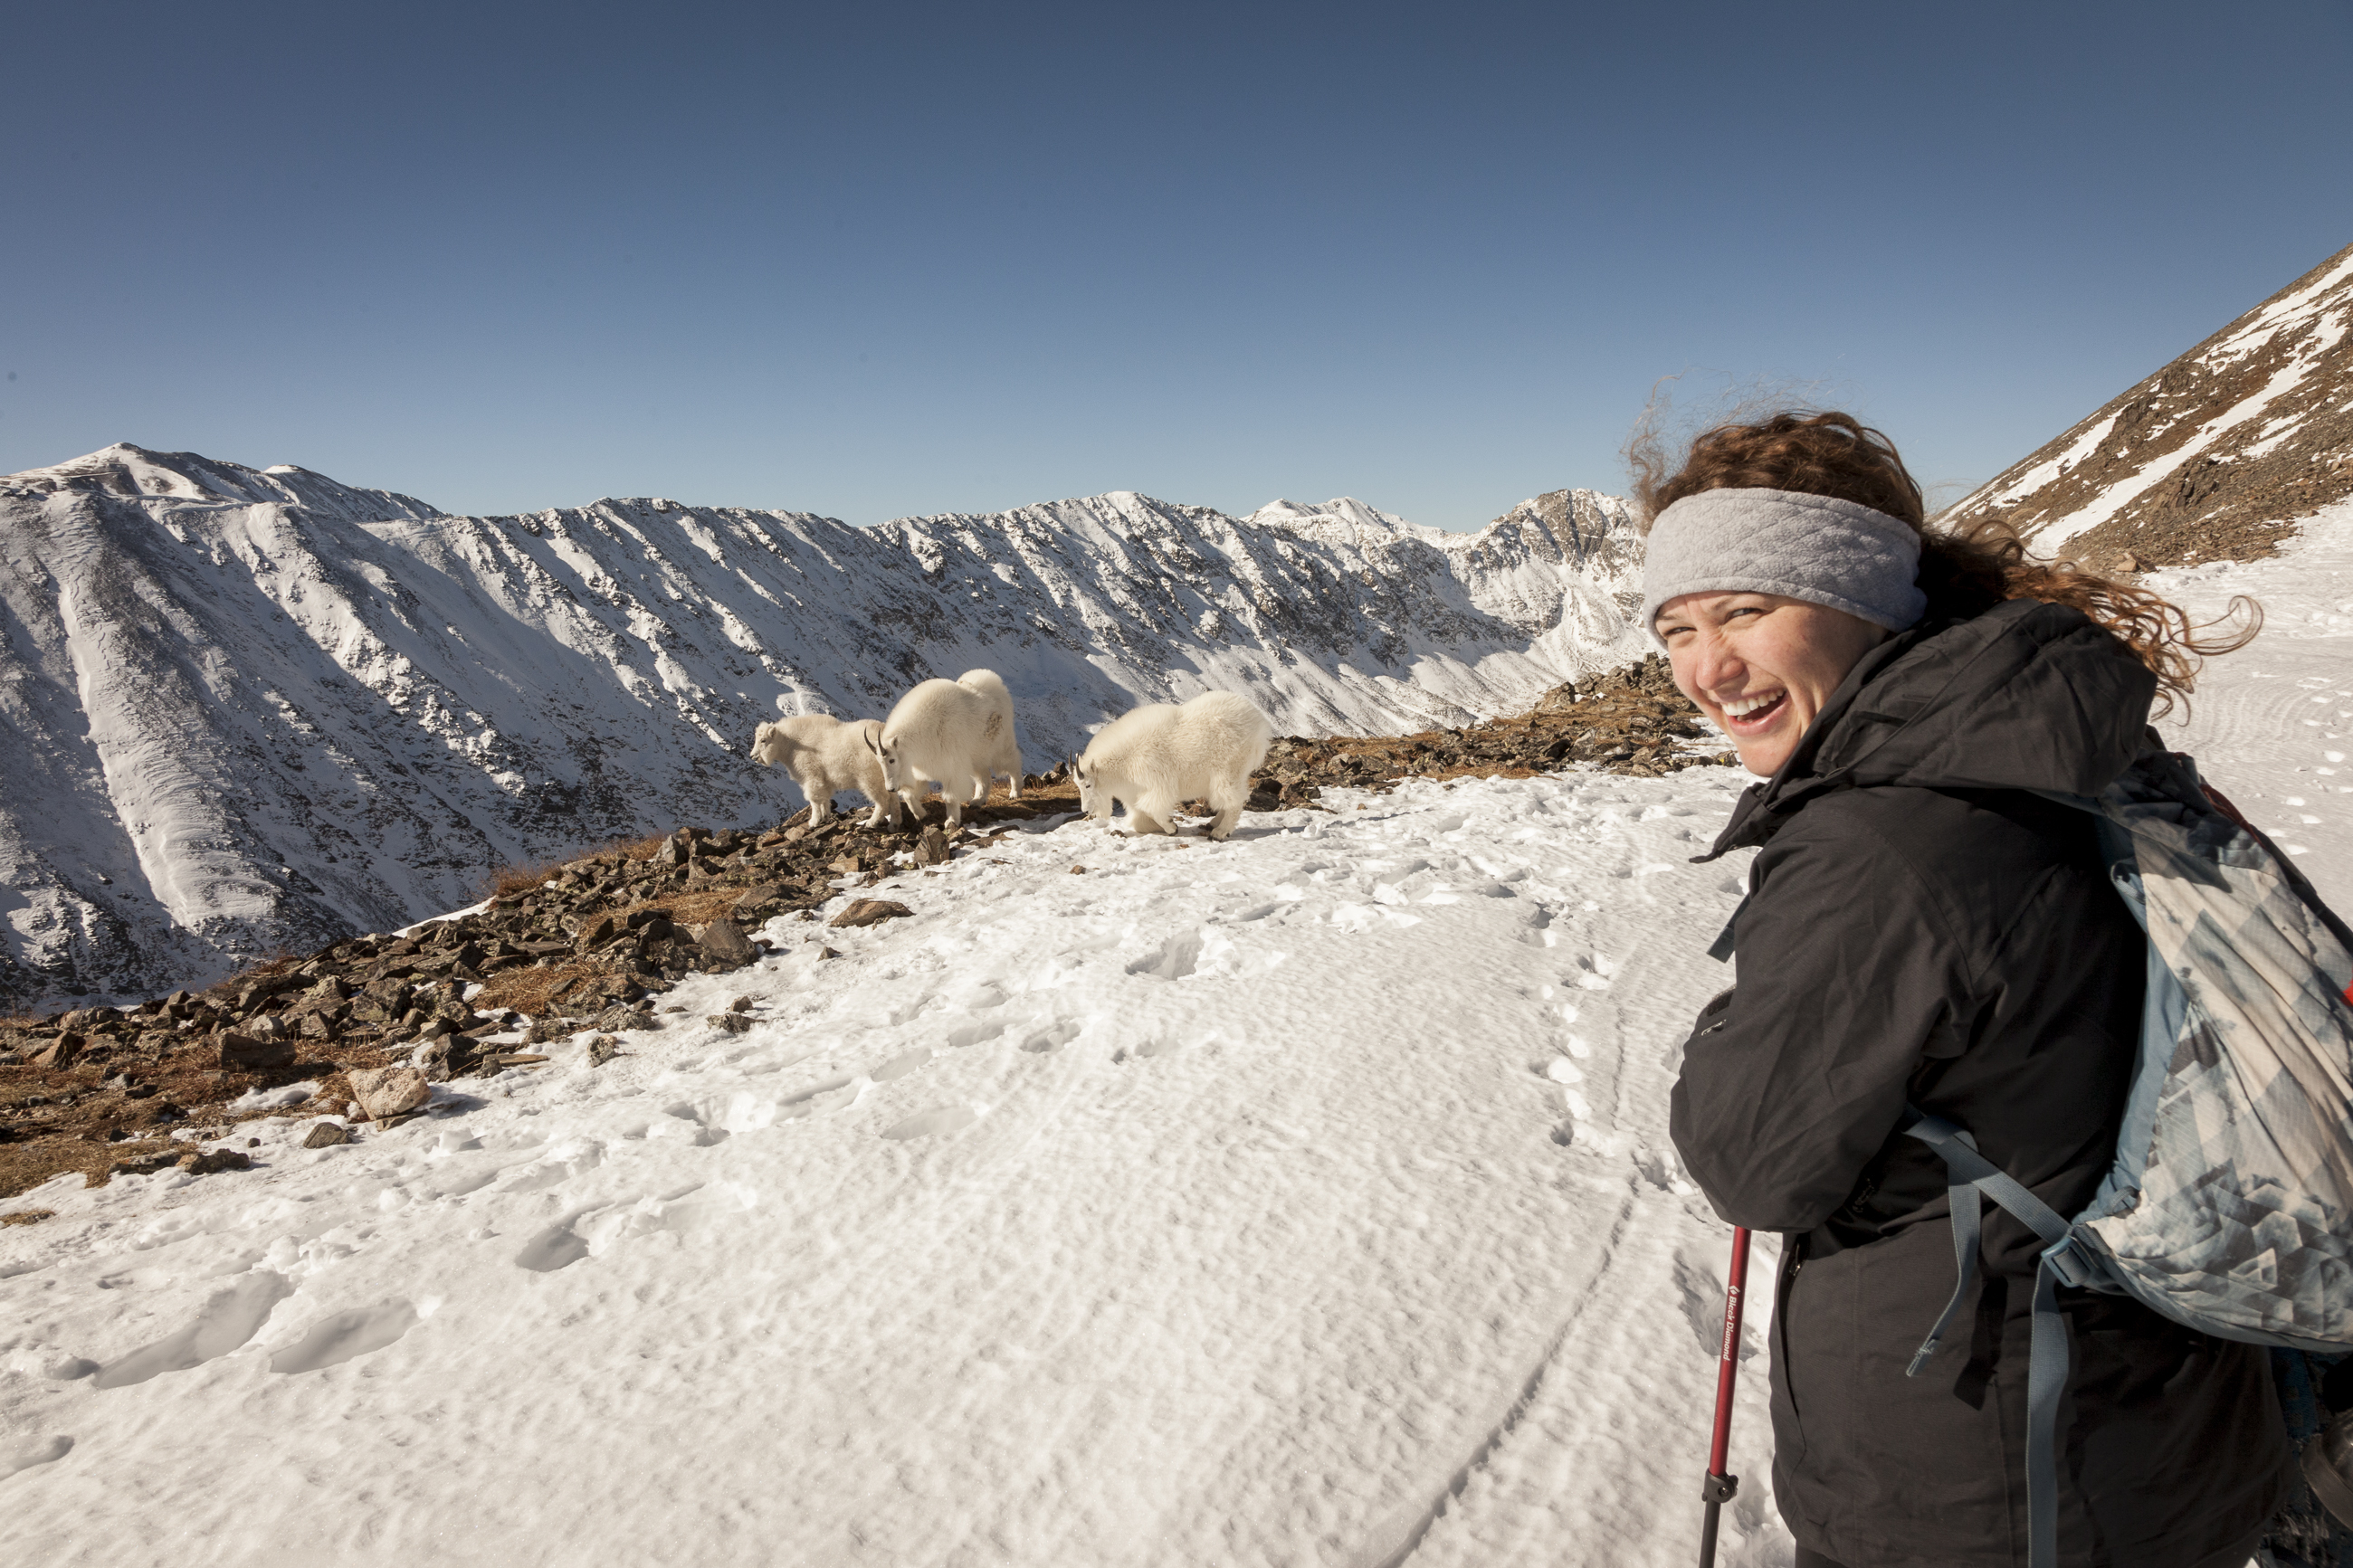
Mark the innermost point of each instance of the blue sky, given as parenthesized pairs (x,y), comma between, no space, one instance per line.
(880,260)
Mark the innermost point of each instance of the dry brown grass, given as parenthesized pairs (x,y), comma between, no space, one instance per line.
(534,992)
(24,1166)
(525,876)
(102,1125)
(695,908)
(508,880)
(28,1217)
(275,963)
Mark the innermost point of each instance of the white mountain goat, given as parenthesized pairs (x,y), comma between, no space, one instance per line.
(823,754)
(957,734)
(1156,756)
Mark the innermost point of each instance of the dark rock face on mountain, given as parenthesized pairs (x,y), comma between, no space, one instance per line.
(250,710)
(2216,455)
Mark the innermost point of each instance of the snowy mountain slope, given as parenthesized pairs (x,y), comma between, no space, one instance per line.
(253,709)
(2215,455)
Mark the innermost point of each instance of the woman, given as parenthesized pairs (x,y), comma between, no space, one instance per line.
(1924,929)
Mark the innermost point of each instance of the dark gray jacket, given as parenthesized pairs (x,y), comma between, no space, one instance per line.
(1921,930)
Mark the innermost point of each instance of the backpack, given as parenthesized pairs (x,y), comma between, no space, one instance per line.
(2230,1205)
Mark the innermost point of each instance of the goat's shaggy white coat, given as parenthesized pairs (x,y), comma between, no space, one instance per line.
(1157,756)
(957,734)
(823,754)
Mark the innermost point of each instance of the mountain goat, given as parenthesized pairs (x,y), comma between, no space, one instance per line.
(823,754)
(1157,755)
(956,733)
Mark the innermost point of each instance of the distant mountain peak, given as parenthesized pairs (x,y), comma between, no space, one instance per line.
(134,472)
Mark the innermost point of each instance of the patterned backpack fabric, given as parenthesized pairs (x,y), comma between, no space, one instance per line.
(2229,1206)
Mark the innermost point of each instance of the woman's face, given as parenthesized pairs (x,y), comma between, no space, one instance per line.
(1761,666)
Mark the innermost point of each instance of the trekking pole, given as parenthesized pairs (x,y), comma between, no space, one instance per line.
(1720,1488)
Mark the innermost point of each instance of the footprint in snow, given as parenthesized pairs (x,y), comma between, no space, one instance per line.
(1052,1038)
(23,1454)
(591,1232)
(903,1064)
(1703,1303)
(974,1034)
(226,1322)
(930,1123)
(346,1336)
(1157,1045)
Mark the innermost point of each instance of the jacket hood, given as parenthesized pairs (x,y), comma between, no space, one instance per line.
(2026,696)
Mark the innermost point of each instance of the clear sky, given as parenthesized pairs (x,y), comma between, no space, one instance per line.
(876,261)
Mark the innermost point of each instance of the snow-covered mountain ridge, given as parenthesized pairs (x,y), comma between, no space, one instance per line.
(250,709)
(2217,456)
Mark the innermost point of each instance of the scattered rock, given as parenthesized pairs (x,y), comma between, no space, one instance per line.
(616,1019)
(603,1050)
(246,1051)
(724,941)
(1078,870)
(60,1052)
(932,849)
(741,1004)
(729,1023)
(205,1164)
(870,911)
(387,1091)
(444,1056)
(326,1135)
(766,896)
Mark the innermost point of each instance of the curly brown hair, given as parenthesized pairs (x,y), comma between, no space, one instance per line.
(1964,571)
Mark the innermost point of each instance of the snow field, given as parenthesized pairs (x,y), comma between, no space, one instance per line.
(2272,725)
(1301,1199)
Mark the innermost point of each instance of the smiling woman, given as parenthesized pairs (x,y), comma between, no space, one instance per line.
(1927,928)
(1810,525)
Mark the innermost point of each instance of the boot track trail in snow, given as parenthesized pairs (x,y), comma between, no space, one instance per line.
(1302,1199)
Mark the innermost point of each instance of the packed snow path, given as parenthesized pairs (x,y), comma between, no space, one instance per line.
(1300,1199)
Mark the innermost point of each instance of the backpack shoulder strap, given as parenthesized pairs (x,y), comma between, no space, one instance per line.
(2047,1359)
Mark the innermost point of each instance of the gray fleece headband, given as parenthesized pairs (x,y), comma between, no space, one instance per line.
(1824,550)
